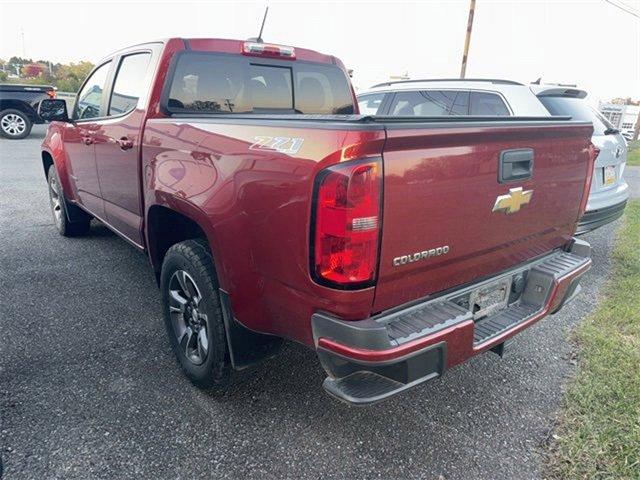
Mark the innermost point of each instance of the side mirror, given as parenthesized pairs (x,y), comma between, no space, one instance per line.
(54,110)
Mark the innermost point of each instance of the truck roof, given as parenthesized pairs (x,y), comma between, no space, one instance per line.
(232,46)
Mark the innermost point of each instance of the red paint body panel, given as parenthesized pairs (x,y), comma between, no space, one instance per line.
(255,208)
(440,188)
(255,205)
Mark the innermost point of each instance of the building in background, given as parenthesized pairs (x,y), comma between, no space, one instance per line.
(622,114)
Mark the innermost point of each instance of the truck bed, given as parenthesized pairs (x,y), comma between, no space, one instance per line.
(440,184)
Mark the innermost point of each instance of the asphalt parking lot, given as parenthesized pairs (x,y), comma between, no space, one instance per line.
(90,389)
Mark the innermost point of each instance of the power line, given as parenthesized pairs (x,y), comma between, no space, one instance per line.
(625,8)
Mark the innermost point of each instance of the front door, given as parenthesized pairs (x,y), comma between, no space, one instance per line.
(79,138)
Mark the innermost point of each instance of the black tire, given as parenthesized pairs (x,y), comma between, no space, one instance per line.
(15,124)
(193,257)
(59,209)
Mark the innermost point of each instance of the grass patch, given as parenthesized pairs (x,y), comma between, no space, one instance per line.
(633,155)
(598,435)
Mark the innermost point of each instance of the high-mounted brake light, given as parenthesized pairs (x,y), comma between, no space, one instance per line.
(268,50)
(346,224)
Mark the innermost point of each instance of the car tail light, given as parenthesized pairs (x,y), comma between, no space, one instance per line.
(51,93)
(346,224)
(593,154)
(268,50)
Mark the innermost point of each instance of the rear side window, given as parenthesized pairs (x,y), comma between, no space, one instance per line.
(370,104)
(212,83)
(129,84)
(576,108)
(430,103)
(487,105)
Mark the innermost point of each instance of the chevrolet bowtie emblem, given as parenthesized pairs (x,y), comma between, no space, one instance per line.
(512,201)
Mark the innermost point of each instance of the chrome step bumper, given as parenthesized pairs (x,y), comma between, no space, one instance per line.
(370,360)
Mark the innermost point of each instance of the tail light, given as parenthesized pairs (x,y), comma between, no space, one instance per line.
(346,224)
(257,49)
(51,93)
(593,154)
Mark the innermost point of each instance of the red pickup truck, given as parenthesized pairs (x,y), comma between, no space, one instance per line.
(394,247)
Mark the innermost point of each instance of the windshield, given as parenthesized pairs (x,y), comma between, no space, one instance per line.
(578,109)
(213,83)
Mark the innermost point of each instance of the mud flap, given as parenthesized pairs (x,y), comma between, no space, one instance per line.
(246,347)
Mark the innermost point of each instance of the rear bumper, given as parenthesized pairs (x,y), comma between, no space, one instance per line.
(593,219)
(370,360)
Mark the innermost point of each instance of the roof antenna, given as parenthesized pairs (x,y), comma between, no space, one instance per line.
(259,38)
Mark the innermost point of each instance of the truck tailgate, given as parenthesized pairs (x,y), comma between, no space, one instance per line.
(441,184)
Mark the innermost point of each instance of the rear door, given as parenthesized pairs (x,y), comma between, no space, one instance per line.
(449,219)
(117,142)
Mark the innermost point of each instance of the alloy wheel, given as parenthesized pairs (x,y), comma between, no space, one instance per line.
(190,324)
(13,124)
(56,202)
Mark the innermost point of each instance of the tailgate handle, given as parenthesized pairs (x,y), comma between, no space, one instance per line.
(515,164)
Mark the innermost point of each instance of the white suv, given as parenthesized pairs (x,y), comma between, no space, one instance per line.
(609,191)
(436,98)
(499,98)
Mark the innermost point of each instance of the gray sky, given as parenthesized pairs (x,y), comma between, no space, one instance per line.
(591,43)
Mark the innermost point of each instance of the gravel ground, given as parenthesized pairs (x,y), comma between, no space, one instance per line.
(90,389)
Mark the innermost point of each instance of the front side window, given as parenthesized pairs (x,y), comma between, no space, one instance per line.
(129,84)
(212,83)
(90,97)
(487,104)
(370,104)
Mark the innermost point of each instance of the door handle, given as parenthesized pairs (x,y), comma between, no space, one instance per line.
(125,143)
(87,140)
(515,165)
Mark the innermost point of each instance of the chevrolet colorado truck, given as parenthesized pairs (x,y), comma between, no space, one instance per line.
(395,247)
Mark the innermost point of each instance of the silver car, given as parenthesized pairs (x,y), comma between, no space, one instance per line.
(491,97)
(609,191)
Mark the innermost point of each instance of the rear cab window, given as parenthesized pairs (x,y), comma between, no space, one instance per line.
(578,109)
(220,83)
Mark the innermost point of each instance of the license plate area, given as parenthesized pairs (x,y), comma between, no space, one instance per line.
(489,299)
(609,175)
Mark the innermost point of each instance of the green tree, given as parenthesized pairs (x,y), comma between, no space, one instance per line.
(68,78)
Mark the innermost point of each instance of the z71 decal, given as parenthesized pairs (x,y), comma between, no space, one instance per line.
(286,145)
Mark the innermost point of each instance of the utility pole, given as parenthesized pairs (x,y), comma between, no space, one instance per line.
(467,40)
(24,52)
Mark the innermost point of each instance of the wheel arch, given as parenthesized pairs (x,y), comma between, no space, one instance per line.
(166,226)
(47,161)
(23,106)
